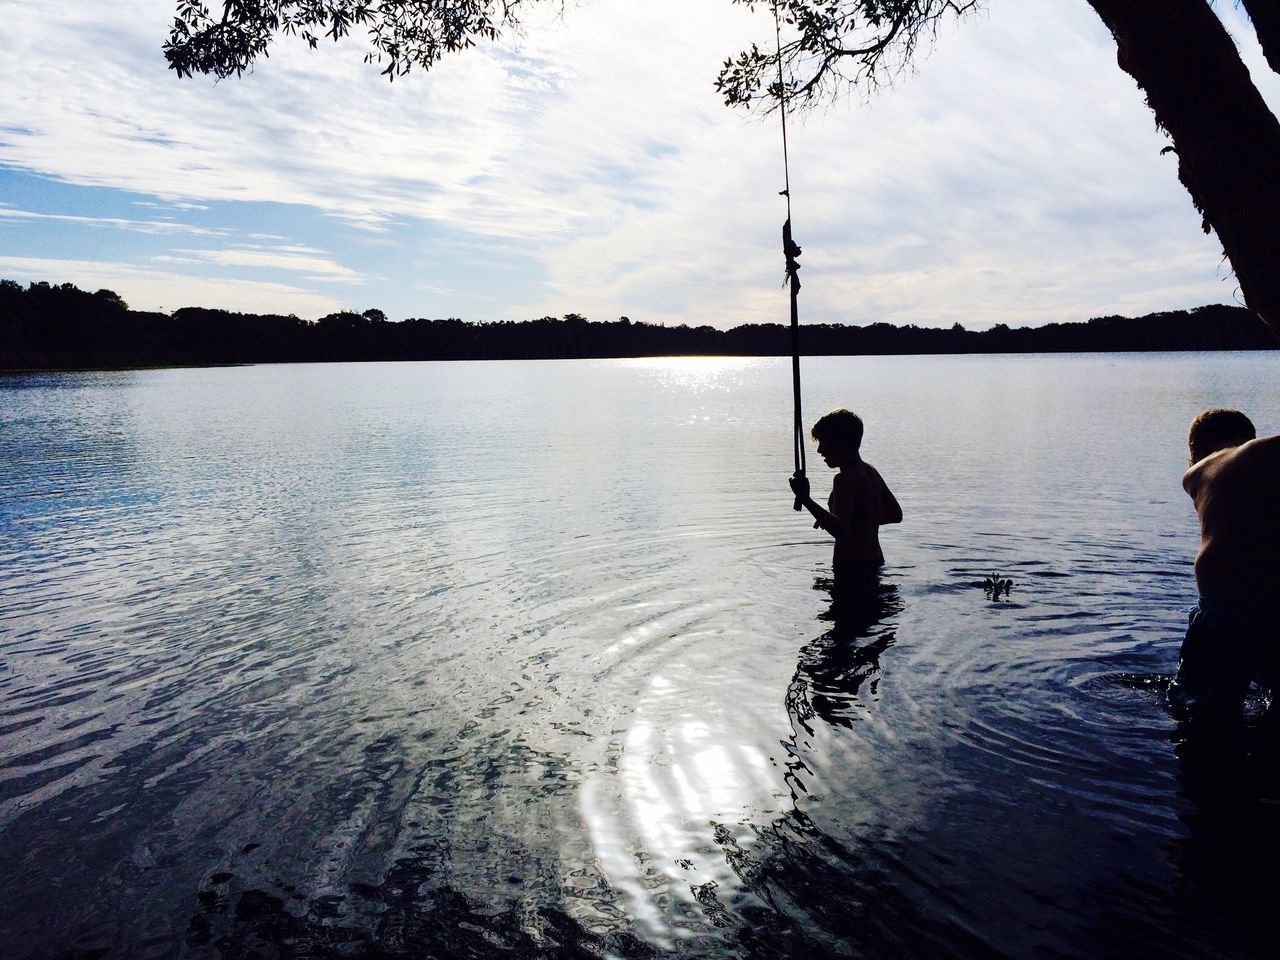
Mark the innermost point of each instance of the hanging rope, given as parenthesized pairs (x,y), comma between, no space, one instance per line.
(791,251)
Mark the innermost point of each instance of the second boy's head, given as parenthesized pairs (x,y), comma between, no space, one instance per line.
(839,435)
(1216,430)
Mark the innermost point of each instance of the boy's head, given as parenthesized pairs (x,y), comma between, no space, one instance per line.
(1216,430)
(838,433)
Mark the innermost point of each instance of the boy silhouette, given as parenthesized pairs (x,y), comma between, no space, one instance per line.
(860,502)
(1233,634)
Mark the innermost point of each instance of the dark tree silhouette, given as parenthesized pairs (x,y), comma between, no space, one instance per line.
(63,327)
(1226,139)
(402,33)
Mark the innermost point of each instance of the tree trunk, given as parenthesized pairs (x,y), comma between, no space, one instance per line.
(1226,139)
(1265,15)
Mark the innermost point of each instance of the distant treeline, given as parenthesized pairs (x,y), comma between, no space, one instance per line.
(62,327)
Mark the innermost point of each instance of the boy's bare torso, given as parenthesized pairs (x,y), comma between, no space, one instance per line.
(858,497)
(1236,492)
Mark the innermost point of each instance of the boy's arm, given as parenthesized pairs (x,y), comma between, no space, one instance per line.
(823,518)
(890,510)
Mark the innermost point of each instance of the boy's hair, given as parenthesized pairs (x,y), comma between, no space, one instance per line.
(839,423)
(1218,428)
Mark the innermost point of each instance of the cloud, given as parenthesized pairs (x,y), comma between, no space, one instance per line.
(171,205)
(160,289)
(119,223)
(320,130)
(290,258)
(1016,176)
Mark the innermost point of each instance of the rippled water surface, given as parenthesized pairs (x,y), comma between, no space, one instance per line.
(535,659)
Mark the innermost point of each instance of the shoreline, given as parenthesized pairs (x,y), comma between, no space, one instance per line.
(127,368)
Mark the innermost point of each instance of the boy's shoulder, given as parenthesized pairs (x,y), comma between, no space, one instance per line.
(855,472)
(1261,450)
(1203,472)
(861,477)
(1244,462)
(872,474)
(1262,454)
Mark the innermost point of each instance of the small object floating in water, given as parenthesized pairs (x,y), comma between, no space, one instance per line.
(996,586)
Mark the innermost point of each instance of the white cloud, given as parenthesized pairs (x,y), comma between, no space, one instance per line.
(291,258)
(171,205)
(318,129)
(1016,178)
(158,289)
(119,223)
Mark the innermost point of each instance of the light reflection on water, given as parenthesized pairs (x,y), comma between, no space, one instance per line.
(387,660)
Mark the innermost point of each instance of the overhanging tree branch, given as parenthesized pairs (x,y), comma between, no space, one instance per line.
(402,34)
(834,44)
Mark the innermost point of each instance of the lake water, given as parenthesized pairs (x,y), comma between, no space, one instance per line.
(535,659)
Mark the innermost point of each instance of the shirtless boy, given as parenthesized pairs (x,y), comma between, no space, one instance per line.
(860,502)
(1234,633)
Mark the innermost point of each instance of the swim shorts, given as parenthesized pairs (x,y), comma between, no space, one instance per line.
(855,580)
(1230,643)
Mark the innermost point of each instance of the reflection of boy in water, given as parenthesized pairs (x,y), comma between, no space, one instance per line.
(1234,633)
(860,502)
(838,674)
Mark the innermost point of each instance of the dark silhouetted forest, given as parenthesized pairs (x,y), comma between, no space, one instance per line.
(62,327)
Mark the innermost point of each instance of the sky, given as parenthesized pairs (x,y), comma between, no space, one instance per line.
(588,166)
